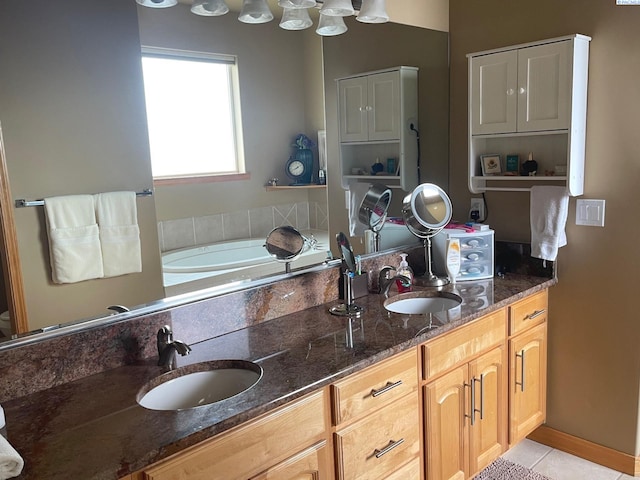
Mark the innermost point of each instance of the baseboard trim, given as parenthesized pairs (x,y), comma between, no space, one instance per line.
(622,462)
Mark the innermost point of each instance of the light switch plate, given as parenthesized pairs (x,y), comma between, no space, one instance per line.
(590,212)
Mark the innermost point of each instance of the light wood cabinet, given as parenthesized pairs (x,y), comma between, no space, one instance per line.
(251,448)
(375,113)
(527,366)
(465,417)
(311,464)
(529,98)
(376,413)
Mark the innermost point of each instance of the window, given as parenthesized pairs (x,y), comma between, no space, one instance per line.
(193,114)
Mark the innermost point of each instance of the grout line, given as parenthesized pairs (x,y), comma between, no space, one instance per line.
(542,458)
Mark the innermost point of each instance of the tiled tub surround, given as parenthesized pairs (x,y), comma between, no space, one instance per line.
(253,223)
(93,428)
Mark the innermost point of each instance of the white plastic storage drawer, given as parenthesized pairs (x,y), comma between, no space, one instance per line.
(476,250)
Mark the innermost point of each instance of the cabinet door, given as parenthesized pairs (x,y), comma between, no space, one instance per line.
(544,80)
(488,431)
(527,382)
(311,464)
(383,107)
(446,430)
(493,93)
(353,109)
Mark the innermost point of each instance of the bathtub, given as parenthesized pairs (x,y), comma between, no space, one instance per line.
(189,269)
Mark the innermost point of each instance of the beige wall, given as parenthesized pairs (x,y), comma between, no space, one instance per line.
(433,14)
(594,356)
(280,77)
(72,112)
(394,45)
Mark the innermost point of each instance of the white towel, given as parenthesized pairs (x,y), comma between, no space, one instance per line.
(549,208)
(11,463)
(119,233)
(357,191)
(73,238)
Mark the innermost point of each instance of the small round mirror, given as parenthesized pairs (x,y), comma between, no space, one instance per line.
(346,251)
(284,243)
(374,206)
(426,210)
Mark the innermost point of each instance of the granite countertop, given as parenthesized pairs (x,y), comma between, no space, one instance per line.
(93,428)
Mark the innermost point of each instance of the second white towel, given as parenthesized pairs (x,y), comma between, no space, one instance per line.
(549,209)
(73,238)
(11,463)
(117,217)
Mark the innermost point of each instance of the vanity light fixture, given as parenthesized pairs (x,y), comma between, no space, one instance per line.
(295,19)
(295,12)
(297,3)
(157,3)
(209,8)
(255,11)
(337,8)
(329,26)
(373,11)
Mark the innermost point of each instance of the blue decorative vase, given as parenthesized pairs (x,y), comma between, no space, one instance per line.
(305,155)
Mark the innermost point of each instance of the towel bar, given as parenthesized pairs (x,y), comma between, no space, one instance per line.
(21,202)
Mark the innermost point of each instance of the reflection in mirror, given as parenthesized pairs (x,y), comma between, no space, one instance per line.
(285,244)
(88,109)
(373,210)
(348,308)
(426,211)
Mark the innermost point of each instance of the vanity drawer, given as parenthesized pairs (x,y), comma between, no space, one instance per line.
(250,448)
(372,448)
(459,345)
(528,312)
(375,387)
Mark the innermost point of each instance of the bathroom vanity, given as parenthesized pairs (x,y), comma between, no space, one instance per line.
(313,411)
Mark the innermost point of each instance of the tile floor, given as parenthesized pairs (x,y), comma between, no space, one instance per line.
(559,465)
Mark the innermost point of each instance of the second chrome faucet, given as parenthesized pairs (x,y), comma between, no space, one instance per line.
(167,348)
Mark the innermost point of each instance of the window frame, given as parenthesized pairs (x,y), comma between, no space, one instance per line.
(207,57)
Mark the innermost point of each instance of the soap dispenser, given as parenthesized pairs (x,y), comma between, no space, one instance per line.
(404,269)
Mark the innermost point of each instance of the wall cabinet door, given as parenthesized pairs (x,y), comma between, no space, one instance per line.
(525,90)
(370,107)
(494,100)
(352,98)
(544,79)
(527,382)
(466,418)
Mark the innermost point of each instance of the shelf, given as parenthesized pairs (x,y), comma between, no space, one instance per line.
(293,187)
(372,177)
(516,178)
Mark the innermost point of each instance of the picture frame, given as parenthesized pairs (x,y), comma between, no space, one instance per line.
(490,165)
(512,165)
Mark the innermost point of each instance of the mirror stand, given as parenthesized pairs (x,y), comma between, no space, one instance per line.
(349,308)
(429,279)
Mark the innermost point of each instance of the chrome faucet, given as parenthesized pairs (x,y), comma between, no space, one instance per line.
(385,279)
(167,348)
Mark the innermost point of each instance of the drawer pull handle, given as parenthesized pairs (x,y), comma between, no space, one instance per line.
(481,411)
(521,355)
(388,448)
(386,388)
(535,314)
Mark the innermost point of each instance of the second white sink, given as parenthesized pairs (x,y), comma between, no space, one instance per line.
(211,382)
(422,303)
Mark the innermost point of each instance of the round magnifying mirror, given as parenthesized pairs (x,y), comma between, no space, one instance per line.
(426,210)
(346,251)
(374,206)
(284,243)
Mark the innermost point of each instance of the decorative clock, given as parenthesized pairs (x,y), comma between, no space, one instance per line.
(299,167)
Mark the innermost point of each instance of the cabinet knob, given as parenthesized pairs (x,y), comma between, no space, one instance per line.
(511,91)
(522,90)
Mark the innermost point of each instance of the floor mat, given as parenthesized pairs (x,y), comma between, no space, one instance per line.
(503,469)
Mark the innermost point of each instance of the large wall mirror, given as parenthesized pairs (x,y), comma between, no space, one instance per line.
(73,121)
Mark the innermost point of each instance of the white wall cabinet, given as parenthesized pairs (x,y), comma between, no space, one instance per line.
(376,111)
(529,98)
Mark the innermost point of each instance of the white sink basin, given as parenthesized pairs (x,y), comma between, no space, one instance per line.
(422,303)
(200,384)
